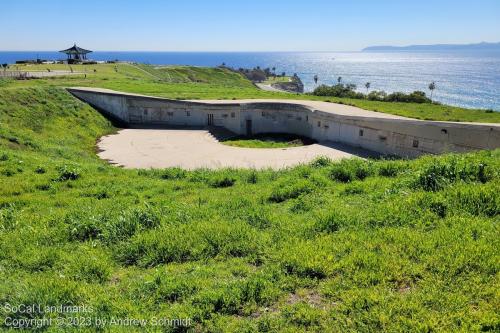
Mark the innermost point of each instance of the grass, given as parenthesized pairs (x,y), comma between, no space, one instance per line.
(182,82)
(268,141)
(356,246)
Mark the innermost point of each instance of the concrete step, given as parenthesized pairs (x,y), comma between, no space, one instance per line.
(220,133)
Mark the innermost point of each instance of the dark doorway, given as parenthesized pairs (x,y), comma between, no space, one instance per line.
(210,120)
(249,127)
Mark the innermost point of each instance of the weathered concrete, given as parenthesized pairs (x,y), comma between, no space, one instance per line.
(197,148)
(322,121)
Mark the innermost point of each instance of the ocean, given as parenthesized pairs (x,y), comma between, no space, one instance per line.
(469,79)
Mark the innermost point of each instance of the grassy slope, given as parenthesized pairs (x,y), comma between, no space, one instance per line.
(240,250)
(211,83)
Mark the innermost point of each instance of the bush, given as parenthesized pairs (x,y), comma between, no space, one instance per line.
(338,90)
(68,173)
(349,91)
(414,97)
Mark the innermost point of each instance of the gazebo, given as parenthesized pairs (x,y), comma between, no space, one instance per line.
(76,53)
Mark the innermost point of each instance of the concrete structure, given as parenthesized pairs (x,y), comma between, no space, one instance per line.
(322,121)
(194,148)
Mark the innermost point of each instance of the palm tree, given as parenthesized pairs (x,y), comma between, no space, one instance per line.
(432,87)
(339,79)
(367,86)
(315,79)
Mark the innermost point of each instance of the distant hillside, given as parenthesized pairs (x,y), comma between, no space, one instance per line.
(437,47)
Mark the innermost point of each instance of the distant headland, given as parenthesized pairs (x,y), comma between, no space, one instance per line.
(437,47)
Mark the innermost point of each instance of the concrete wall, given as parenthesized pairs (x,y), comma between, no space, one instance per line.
(402,137)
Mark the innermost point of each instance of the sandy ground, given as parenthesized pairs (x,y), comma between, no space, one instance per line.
(197,148)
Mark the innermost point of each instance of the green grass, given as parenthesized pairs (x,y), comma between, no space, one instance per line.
(356,246)
(268,141)
(181,82)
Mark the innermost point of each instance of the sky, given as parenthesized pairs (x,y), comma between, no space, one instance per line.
(243,25)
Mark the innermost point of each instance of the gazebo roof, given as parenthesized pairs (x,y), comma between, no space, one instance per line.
(75,50)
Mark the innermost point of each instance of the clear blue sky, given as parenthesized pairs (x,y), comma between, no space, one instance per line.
(246,25)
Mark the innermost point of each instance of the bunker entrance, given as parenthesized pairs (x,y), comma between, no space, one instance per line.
(210,119)
(249,127)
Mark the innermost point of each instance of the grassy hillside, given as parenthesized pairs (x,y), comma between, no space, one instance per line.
(351,246)
(184,82)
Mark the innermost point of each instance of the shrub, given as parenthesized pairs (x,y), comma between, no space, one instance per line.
(68,173)
(338,90)
(414,97)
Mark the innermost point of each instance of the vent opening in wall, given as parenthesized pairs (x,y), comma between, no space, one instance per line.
(361,132)
(319,123)
(444,131)
(415,143)
(188,113)
(145,111)
(382,138)
(233,114)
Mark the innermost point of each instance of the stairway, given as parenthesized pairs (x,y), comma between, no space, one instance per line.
(220,133)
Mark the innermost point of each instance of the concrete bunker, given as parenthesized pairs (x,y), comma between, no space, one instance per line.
(321,121)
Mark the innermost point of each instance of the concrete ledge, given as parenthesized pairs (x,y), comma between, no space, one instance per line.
(322,121)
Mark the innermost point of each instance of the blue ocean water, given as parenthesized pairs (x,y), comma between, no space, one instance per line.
(470,79)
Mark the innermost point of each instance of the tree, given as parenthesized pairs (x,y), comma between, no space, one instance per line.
(432,87)
(339,79)
(315,79)
(367,86)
